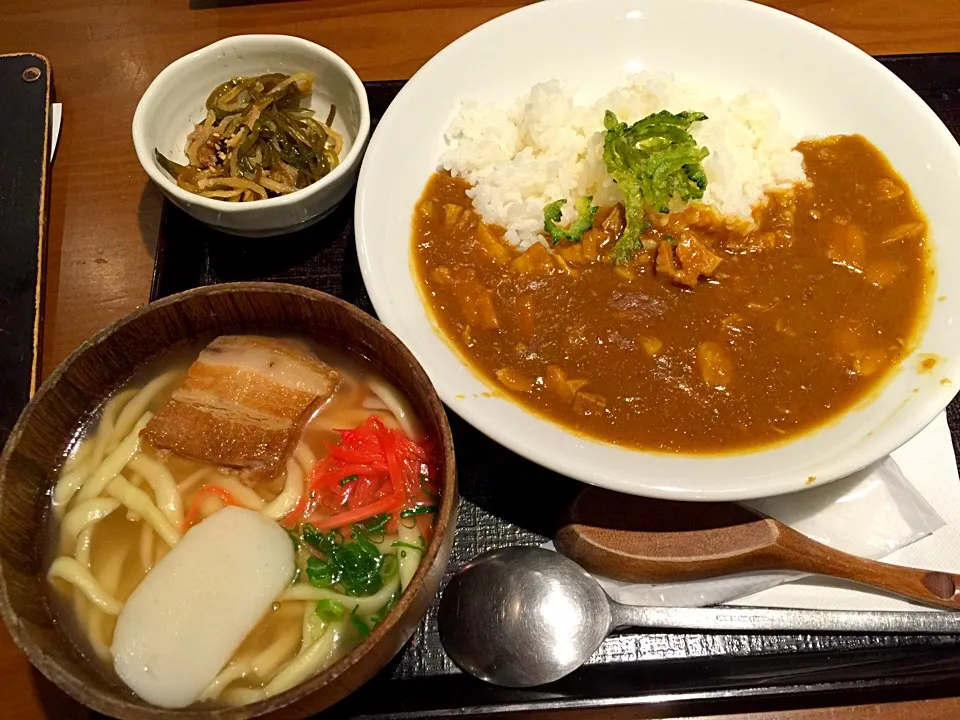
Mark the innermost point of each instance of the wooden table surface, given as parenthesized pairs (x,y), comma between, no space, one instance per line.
(104,213)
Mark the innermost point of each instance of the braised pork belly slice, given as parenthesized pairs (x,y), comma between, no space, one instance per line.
(243,404)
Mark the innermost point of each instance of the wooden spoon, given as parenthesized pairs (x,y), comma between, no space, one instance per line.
(654,541)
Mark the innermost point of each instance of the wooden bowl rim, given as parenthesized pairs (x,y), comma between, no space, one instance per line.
(445,522)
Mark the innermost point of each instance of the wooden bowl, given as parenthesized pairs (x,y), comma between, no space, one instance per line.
(38,444)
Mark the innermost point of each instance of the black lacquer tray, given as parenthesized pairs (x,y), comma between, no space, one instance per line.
(508,500)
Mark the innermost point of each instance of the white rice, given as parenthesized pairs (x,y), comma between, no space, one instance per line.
(547,147)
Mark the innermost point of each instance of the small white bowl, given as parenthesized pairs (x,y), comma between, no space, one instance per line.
(174,103)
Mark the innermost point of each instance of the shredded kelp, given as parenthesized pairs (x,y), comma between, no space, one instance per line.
(257,141)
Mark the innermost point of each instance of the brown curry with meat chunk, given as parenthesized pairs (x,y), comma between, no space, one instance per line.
(718,336)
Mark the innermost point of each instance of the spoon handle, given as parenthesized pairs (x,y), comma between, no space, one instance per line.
(931,587)
(770,619)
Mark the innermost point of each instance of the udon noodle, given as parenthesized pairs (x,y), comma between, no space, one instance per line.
(121,505)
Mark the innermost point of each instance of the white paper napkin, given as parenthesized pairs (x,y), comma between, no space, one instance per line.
(56,118)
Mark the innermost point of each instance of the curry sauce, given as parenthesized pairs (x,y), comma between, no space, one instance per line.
(721,335)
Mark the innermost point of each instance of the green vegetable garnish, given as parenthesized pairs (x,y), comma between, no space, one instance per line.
(364,543)
(553,211)
(424,479)
(652,161)
(359,624)
(348,479)
(401,544)
(421,510)
(372,529)
(295,539)
(329,610)
(382,612)
(356,566)
(376,524)
(319,573)
(315,538)
(390,567)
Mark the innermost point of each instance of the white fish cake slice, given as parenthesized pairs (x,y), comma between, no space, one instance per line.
(188,616)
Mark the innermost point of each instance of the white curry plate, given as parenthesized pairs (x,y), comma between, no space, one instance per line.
(822,85)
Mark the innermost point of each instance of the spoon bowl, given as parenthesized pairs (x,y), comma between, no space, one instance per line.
(523,616)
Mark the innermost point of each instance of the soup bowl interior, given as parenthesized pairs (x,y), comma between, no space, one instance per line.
(821,84)
(50,423)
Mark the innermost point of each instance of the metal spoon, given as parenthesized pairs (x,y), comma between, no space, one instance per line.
(521,616)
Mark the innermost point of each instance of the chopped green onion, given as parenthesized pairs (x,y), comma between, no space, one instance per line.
(401,544)
(359,624)
(377,524)
(348,479)
(295,539)
(314,537)
(421,510)
(319,573)
(360,537)
(330,610)
(389,566)
(353,567)
(424,479)
(382,613)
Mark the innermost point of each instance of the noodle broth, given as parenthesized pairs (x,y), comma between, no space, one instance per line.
(117,540)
